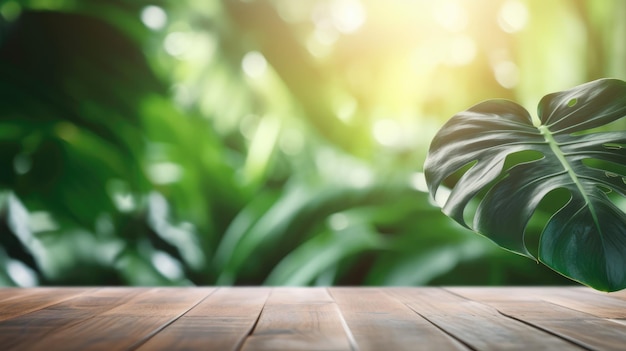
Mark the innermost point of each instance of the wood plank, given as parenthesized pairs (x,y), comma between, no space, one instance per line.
(28,300)
(17,333)
(126,325)
(491,294)
(220,322)
(581,299)
(310,319)
(475,324)
(584,329)
(379,322)
(618,295)
(621,294)
(299,319)
(11,292)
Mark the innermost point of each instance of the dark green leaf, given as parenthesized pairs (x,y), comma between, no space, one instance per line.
(586,238)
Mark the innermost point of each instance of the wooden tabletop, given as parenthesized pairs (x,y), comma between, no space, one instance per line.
(386,319)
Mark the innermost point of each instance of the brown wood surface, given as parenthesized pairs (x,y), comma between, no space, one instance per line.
(480,326)
(300,319)
(380,322)
(220,322)
(558,312)
(451,318)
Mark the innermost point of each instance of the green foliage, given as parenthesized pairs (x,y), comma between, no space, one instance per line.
(179,142)
(585,239)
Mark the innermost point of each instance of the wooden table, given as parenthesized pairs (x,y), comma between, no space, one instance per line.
(388,319)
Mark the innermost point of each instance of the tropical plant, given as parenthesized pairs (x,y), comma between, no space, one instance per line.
(512,163)
(162,142)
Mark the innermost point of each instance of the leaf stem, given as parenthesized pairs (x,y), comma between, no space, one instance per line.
(554,146)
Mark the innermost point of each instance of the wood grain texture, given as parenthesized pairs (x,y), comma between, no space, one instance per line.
(380,322)
(124,325)
(32,300)
(7,293)
(20,332)
(599,304)
(250,319)
(461,317)
(584,329)
(299,319)
(221,322)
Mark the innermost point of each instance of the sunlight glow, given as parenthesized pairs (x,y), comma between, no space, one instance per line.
(321,40)
(461,51)
(450,15)
(292,11)
(513,16)
(348,15)
(261,148)
(326,35)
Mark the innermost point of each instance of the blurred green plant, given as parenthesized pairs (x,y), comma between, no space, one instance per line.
(261,142)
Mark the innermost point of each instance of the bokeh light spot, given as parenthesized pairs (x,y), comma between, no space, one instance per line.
(292,11)
(348,15)
(513,16)
(321,40)
(165,172)
(346,109)
(153,17)
(326,35)
(22,163)
(120,194)
(450,15)
(167,265)
(338,221)
(461,51)
(10,10)
(506,74)
(21,274)
(254,64)
(66,131)
(387,132)
(42,221)
(360,177)
(176,43)
(291,142)
(248,125)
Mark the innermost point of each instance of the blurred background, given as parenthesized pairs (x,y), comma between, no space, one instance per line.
(277,142)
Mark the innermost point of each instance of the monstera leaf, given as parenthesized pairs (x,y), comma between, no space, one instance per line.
(585,239)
